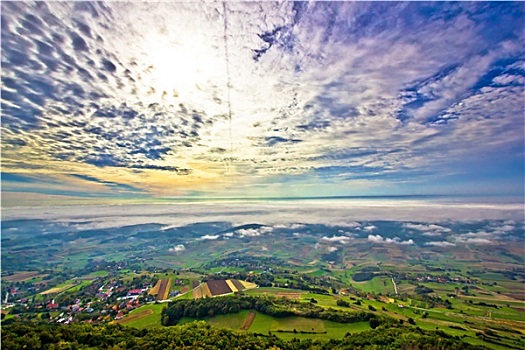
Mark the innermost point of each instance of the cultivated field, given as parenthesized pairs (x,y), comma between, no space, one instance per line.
(155,289)
(164,289)
(146,316)
(218,287)
(201,291)
(232,286)
(57,290)
(22,276)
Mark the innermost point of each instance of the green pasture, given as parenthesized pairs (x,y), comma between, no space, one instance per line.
(148,320)
(377,284)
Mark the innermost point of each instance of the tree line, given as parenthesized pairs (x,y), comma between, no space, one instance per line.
(276,307)
(200,335)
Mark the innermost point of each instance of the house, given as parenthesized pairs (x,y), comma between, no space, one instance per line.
(135,292)
(52,306)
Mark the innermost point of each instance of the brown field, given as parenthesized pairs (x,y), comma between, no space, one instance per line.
(155,290)
(248,321)
(22,276)
(57,290)
(386,299)
(164,289)
(515,295)
(238,285)
(184,289)
(134,316)
(289,295)
(218,287)
(465,255)
(201,291)
(295,262)
(194,284)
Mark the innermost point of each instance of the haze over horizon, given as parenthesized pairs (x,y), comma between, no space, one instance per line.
(139,101)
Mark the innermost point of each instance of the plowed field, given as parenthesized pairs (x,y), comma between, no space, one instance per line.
(218,287)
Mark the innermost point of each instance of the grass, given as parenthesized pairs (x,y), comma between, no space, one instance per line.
(264,323)
(100,273)
(377,284)
(78,286)
(57,289)
(231,321)
(147,316)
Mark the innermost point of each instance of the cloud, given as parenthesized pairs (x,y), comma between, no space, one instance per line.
(332,249)
(252,98)
(428,230)
(252,232)
(177,248)
(285,212)
(375,238)
(473,240)
(440,244)
(208,237)
(395,240)
(289,226)
(340,239)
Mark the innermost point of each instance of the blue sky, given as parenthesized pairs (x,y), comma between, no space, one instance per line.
(259,99)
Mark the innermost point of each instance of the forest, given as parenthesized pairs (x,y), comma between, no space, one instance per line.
(276,307)
(199,335)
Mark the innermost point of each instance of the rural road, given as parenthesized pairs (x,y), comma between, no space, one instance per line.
(395,286)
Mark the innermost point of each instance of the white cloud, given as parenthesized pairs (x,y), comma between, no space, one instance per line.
(177,248)
(375,238)
(252,232)
(310,212)
(509,79)
(208,237)
(370,228)
(473,240)
(428,229)
(395,240)
(332,249)
(340,239)
(440,244)
(289,226)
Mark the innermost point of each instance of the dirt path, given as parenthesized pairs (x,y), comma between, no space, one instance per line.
(248,321)
(395,286)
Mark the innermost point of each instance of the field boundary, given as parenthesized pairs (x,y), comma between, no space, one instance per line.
(248,321)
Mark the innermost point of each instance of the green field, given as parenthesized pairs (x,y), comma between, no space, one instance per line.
(377,284)
(144,317)
(284,327)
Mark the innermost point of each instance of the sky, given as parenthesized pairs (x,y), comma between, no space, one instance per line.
(141,101)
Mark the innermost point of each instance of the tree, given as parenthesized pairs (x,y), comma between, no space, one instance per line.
(341,302)
(374,323)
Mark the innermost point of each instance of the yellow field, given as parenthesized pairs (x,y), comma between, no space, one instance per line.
(232,286)
(248,285)
(57,290)
(155,290)
(202,291)
(164,289)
